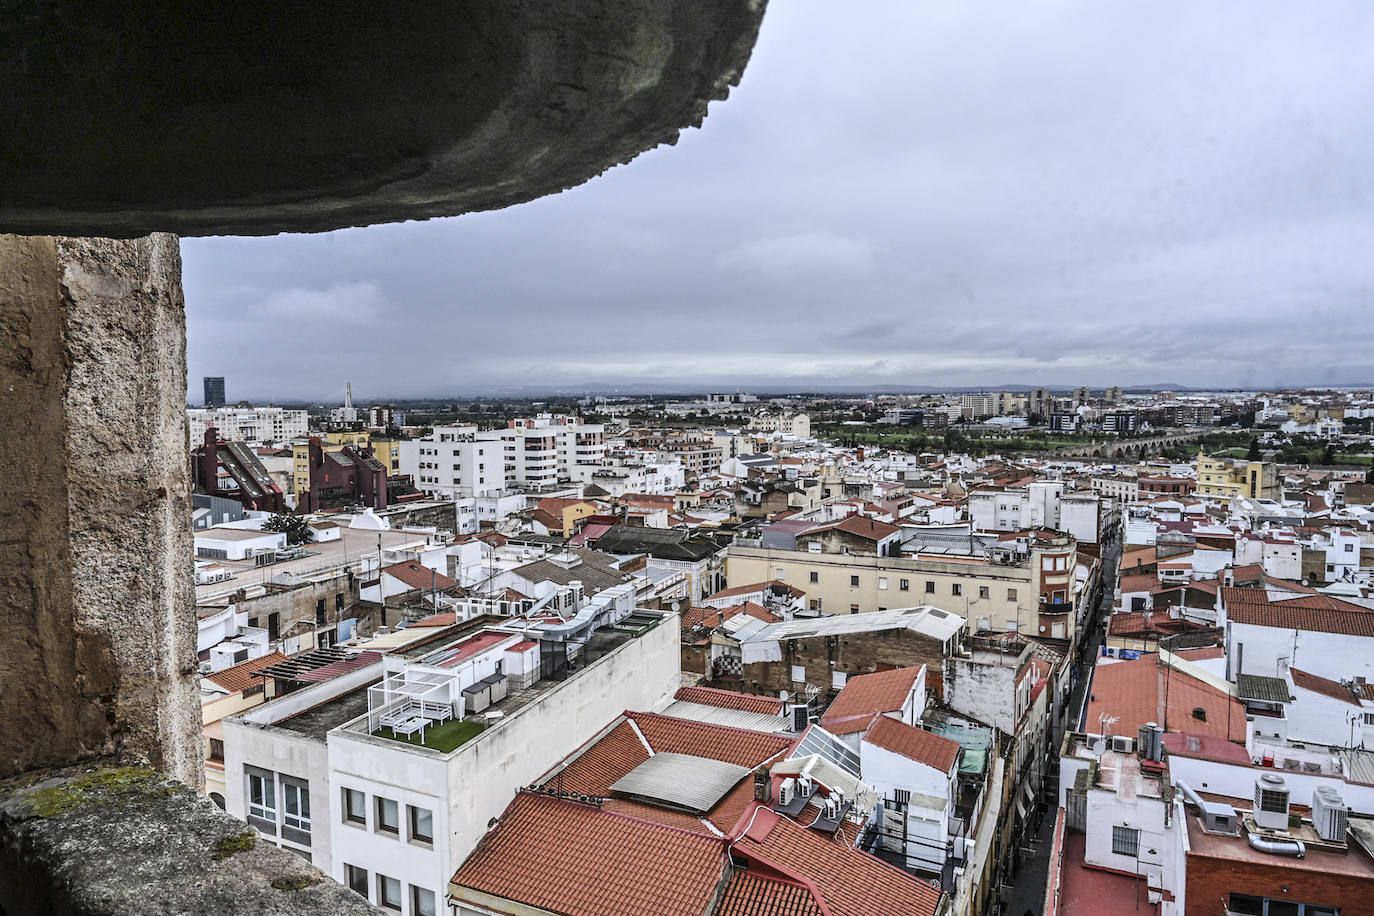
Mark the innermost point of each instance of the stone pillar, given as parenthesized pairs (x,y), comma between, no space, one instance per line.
(97,624)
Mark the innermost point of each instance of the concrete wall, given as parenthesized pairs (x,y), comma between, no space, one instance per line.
(96,602)
(1330,655)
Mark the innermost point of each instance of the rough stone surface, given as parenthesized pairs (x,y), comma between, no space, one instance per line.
(124,840)
(259,118)
(97,621)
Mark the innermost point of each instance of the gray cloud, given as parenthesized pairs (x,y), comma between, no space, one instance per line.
(897,193)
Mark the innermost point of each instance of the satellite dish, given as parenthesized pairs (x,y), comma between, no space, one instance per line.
(675,606)
(1100,746)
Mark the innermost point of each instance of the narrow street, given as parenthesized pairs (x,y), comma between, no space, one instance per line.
(1029,893)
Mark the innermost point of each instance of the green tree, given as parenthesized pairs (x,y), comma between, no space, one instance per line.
(1254,453)
(295,528)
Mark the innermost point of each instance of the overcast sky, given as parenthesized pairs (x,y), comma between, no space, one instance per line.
(898,193)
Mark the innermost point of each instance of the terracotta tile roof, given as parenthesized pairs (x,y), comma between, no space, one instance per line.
(1315,613)
(729,699)
(415,575)
(757,587)
(1134,691)
(1141,583)
(913,743)
(240,677)
(867,694)
(714,617)
(547,519)
(620,750)
(845,881)
(1324,686)
(860,526)
(441,619)
(749,894)
(1202,654)
(613,864)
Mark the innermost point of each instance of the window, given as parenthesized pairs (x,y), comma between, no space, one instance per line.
(421,824)
(1011,594)
(901,796)
(779,573)
(837,679)
(295,804)
(904,584)
(930,587)
(354,806)
(799,674)
(984,592)
(1369,718)
(356,879)
(217,749)
(262,795)
(815,577)
(1349,548)
(388,817)
(421,901)
(319,612)
(956,589)
(389,892)
(339,602)
(853,609)
(882,582)
(1199,713)
(853,581)
(1125,841)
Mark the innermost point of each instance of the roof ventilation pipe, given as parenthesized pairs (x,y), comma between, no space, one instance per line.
(1295,848)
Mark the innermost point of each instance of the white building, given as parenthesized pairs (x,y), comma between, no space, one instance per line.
(455,462)
(319,772)
(247,424)
(1041,504)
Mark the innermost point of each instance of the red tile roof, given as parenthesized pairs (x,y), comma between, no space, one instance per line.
(1315,613)
(714,617)
(845,881)
(1135,691)
(578,860)
(441,619)
(416,575)
(621,750)
(867,694)
(913,743)
(1324,686)
(756,587)
(750,894)
(860,526)
(729,699)
(241,676)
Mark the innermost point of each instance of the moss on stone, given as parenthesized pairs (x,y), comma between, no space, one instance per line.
(295,883)
(233,845)
(102,787)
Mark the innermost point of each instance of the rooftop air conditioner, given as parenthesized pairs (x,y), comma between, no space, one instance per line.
(1271,802)
(1329,814)
(1123,744)
(786,791)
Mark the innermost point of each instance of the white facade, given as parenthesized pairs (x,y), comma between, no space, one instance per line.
(929,805)
(247,424)
(1270,651)
(419,812)
(455,462)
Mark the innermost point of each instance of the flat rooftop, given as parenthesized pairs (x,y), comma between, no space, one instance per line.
(350,547)
(317,721)
(1354,862)
(1087,891)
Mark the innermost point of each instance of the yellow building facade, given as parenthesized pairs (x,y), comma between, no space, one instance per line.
(387,451)
(1227,478)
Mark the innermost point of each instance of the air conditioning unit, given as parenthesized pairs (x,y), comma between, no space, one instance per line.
(1123,744)
(786,791)
(1329,814)
(805,787)
(1271,802)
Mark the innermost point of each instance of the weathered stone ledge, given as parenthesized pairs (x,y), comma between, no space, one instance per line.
(86,841)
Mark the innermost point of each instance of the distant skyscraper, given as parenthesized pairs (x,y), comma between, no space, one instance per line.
(214,391)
